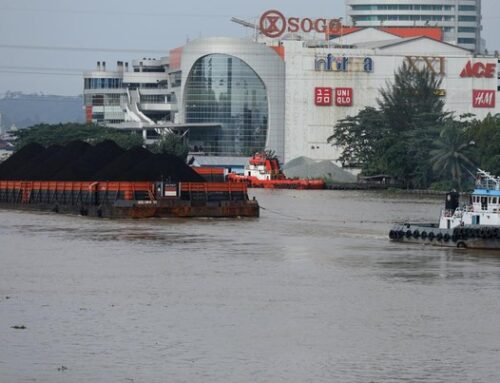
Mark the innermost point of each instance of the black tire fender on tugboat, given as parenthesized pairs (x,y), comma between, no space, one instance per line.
(424,235)
(392,234)
(446,237)
(461,245)
(439,236)
(408,234)
(432,236)
(416,234)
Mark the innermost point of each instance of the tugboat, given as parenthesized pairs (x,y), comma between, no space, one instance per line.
(263,171)
(475,225)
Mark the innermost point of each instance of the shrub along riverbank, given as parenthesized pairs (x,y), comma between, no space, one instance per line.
(410,137)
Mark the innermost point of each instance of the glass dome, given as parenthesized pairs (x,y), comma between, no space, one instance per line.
(224,90)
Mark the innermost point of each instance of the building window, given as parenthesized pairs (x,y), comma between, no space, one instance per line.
(467,29)
(463,40)
(467,18)
(223,90)
(467,8)
(103,83)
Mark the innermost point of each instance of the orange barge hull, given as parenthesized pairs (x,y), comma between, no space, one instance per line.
(130,199)
(300,184)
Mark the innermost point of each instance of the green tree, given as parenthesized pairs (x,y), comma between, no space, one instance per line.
(359,135)
(453,154)
(60,134)
(396,137)
(171,144)
(486,136)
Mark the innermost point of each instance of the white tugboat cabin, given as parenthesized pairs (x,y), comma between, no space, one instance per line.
(484,208)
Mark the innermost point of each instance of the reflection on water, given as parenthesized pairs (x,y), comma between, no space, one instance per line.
(311,291)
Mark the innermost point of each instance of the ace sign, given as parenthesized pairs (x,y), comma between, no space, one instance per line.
(343,96)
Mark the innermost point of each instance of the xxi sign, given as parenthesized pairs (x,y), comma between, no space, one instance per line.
(435,65)
(274,24)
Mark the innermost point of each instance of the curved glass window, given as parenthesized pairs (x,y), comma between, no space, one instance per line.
(223,90)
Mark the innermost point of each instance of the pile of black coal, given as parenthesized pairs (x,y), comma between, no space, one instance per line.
(106,161)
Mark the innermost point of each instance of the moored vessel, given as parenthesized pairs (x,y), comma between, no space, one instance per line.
(475,224)
(265,172)
(106,181)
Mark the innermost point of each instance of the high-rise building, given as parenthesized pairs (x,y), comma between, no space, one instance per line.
(460,19)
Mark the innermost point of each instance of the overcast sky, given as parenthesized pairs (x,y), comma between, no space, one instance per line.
(110,30)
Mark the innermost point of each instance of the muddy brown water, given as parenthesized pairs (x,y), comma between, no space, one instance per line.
(312,291)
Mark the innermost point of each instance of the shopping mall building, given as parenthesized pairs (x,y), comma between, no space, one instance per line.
(283,90)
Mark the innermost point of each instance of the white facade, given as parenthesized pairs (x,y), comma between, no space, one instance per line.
(225,90)
(308,126)
(139,97)
(460,19)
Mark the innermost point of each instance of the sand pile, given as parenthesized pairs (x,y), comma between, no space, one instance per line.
(304,167)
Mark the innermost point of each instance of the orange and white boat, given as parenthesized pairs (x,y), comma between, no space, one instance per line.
(262,171)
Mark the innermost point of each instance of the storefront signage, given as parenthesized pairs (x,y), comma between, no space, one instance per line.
(343,96)
(440,92)
(435,65)
(323,96)
(88,113)
(483,98)
(274,24)
(331,63)
(479,70)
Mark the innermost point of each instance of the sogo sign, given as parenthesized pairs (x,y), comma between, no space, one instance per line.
(274,24)
(479,70)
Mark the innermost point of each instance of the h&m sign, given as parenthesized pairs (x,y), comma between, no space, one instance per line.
(483,98)
(435,65)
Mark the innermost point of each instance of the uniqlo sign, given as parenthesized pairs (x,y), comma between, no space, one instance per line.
(323,96)
(343,96)
(483,98)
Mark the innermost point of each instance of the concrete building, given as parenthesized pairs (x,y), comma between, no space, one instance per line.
(460,19)
(138,98)
(234,97)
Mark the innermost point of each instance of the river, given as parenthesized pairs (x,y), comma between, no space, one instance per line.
(312,291)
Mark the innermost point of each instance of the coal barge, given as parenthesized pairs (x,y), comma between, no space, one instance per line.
(107,181)
(473,225)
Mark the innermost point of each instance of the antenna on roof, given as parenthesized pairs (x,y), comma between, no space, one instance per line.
(247,24)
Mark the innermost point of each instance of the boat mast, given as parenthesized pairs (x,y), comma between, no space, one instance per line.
(484,178)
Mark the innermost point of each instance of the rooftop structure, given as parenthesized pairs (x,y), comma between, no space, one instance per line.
(460,19)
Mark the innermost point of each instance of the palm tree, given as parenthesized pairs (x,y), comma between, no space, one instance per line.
(452,153)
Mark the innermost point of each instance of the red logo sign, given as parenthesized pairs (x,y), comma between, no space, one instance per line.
(343,96)
(88,113)
(273,24)
(483,98)
(323,96)
(479,70)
